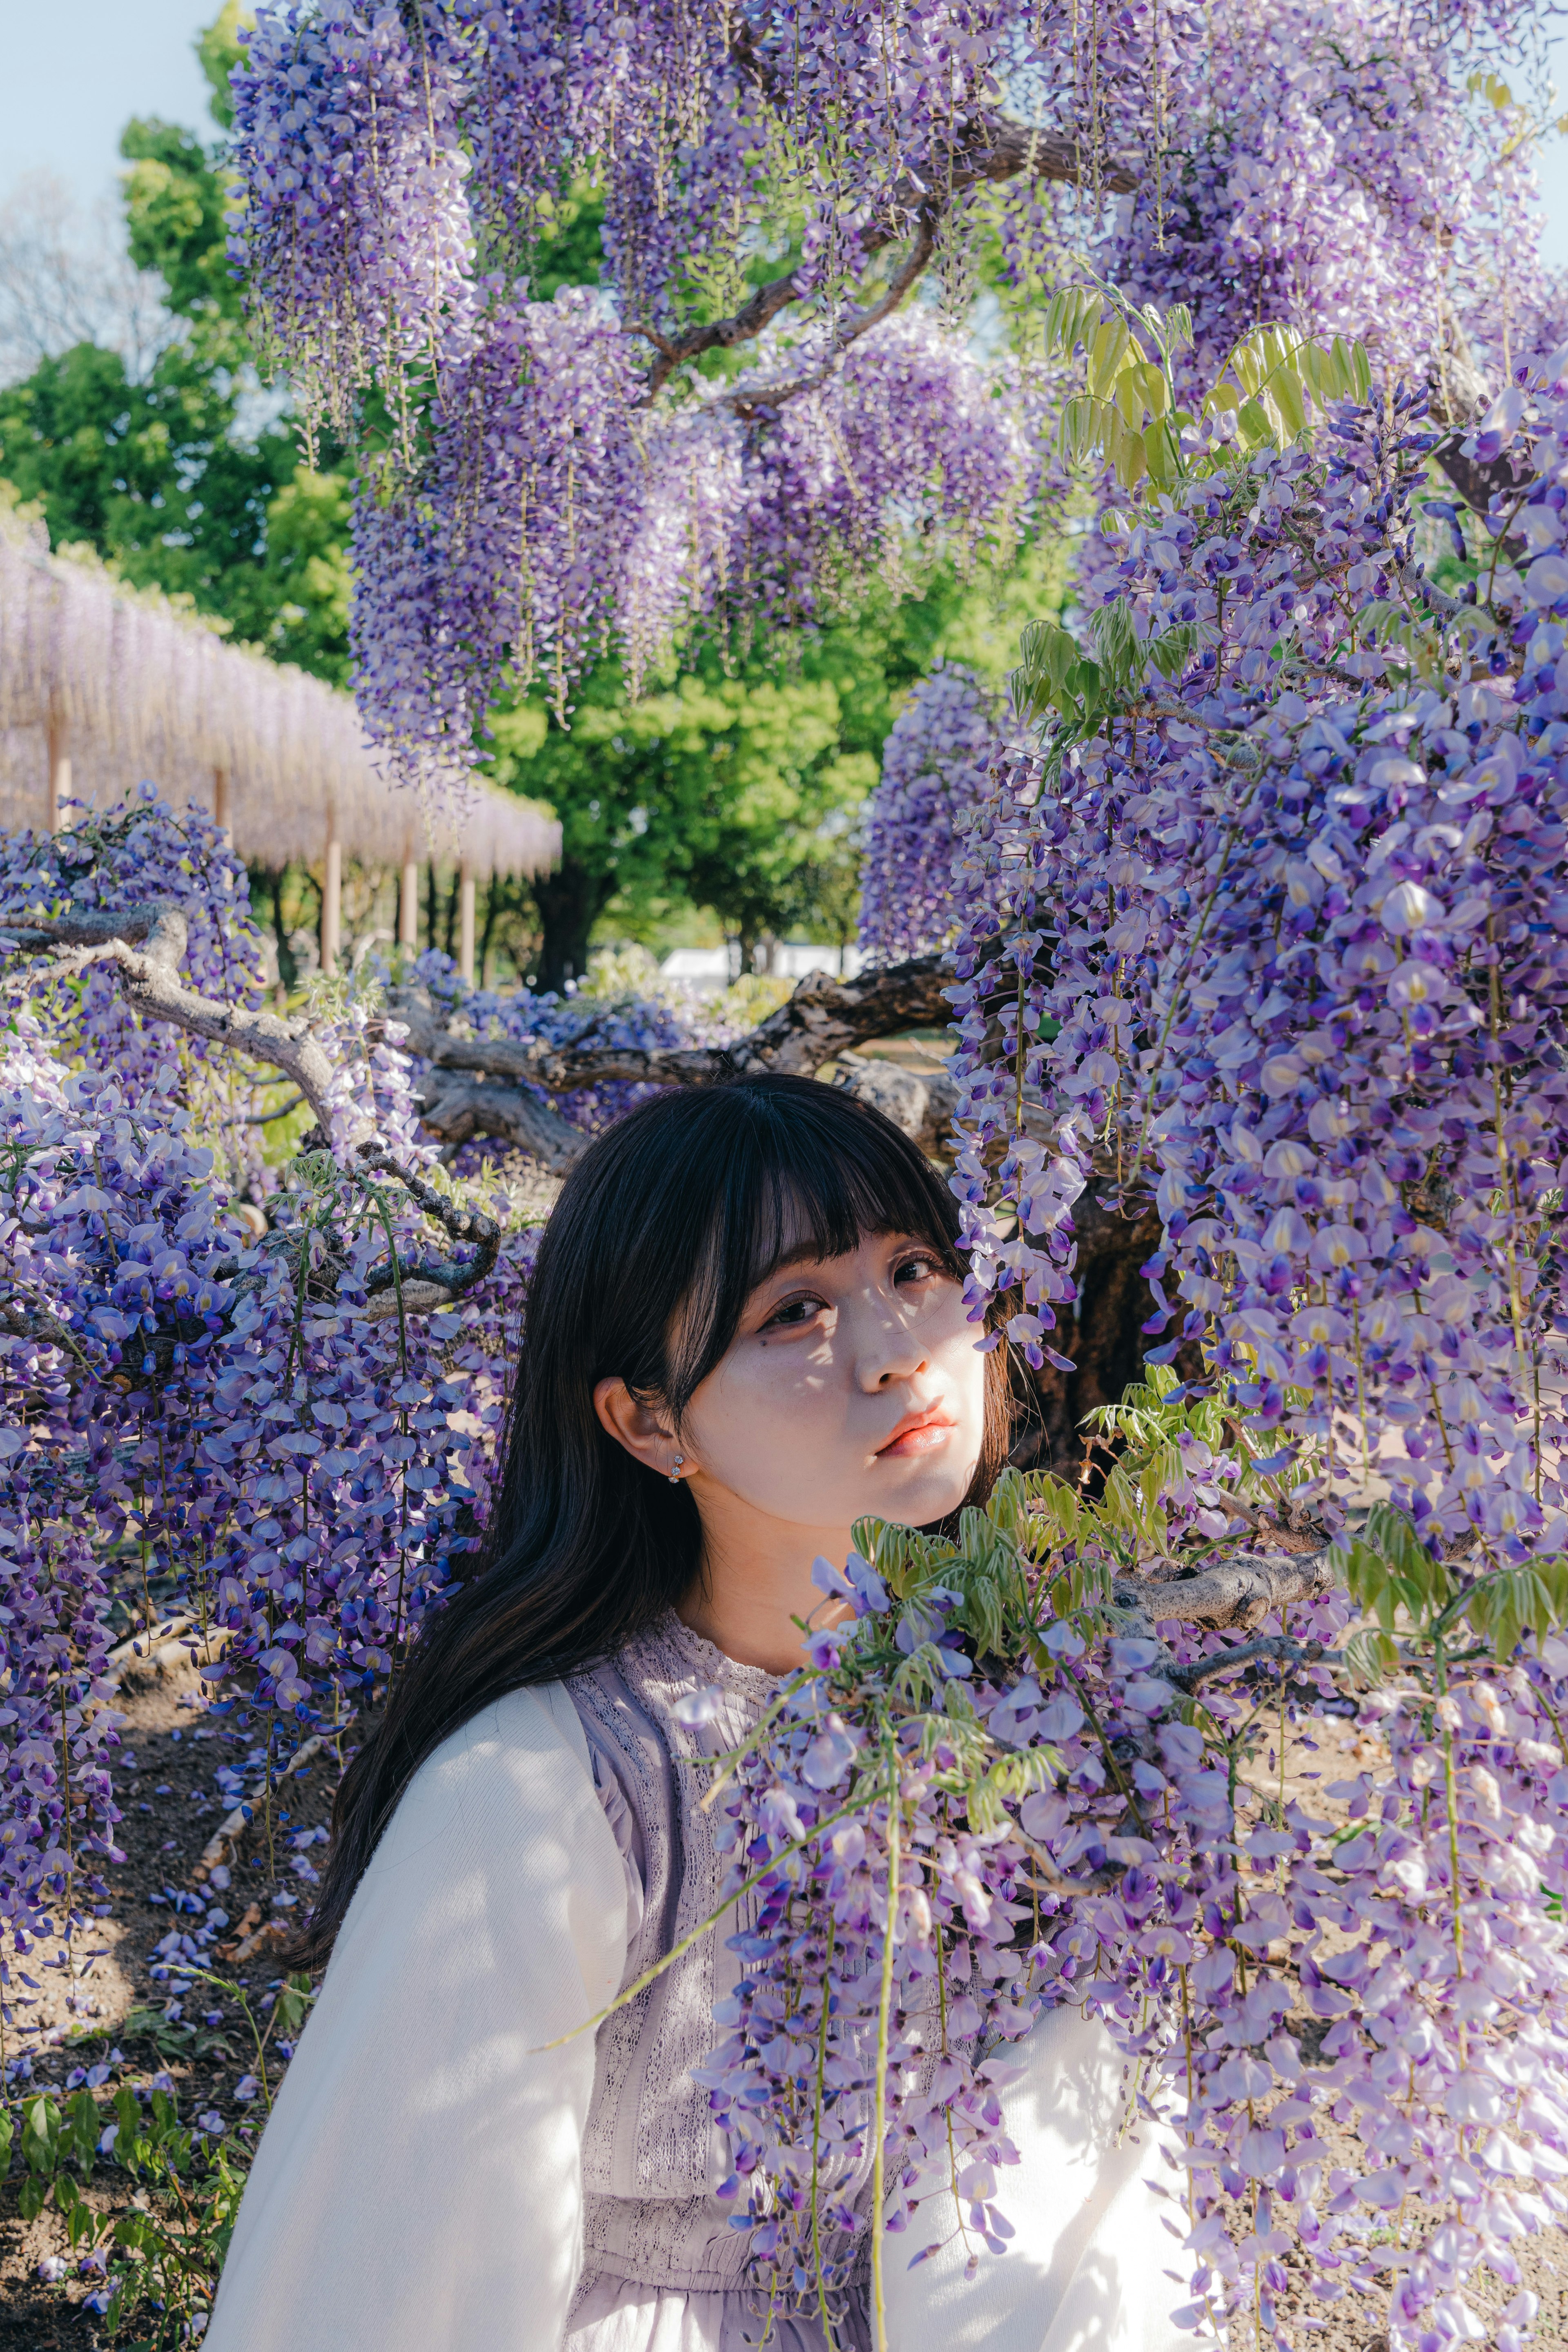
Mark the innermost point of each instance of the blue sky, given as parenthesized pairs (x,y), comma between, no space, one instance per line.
(76,70)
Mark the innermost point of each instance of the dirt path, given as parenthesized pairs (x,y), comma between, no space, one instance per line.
(123,2015)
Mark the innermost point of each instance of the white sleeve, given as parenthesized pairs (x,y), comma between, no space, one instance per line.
(1091,2262)
(418,2186)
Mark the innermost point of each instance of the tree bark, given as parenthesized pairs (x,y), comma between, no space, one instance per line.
(1103,1336)
(493,889)
(569,901)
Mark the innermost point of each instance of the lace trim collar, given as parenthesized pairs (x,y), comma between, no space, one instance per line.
(674,1640)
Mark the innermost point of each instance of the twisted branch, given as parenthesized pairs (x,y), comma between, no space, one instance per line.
(150,977)
(150,980)
(825,1018)
(1237,1593)
(824,1021)
(458,1111)
(1009,150)
(451,1276)
(1277,1646)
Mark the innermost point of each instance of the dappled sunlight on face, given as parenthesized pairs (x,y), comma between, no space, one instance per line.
(854,1386)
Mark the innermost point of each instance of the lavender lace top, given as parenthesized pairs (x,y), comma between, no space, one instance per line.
(654,2233)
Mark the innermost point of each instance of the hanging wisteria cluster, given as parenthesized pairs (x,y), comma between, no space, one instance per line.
(198,1421)
(935,765)
(257,1403)
(543,478)
(551,519)
(1352,182)
(1348,2037)
(1298,918)
(1269,931)
(269,1436)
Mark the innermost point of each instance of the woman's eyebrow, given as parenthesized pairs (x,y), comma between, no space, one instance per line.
(805,1253)
(808,1253)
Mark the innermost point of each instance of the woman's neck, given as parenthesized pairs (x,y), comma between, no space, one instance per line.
(756,1582)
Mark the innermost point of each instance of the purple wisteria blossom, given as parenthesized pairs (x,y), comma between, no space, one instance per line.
(935,765)
(540,479)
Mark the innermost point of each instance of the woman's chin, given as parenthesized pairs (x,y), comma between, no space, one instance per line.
(920,1495)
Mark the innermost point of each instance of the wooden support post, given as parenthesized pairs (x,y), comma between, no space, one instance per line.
(332,897)
(408,908)
(466,923)
(58,789)
(220,800)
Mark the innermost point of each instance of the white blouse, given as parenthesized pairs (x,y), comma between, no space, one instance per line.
(420,2186)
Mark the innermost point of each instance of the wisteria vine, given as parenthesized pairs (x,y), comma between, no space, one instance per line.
(1268,931)
(256,1403)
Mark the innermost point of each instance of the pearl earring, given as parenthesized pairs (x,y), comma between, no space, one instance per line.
(675,1473)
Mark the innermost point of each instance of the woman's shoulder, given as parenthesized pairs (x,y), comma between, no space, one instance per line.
(519,1761)
(497,1842)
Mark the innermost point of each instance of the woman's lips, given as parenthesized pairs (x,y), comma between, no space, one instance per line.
(923,1436)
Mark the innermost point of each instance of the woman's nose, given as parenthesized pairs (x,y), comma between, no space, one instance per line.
(887,1350)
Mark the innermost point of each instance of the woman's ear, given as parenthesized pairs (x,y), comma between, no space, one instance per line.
(643,1432)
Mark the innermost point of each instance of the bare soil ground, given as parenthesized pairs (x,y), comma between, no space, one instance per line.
(171,1809)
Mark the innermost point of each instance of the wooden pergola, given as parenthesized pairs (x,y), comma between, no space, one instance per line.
(103,688)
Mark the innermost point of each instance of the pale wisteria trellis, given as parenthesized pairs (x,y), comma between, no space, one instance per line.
(124,684)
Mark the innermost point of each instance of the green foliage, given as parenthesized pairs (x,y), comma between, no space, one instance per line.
(1055,674)
(1142,1434)
(569,251)
(218,52)
(1419,1602)
(1127,417)
(1030,1556)
(735,784)
(162,2254)
(174,201)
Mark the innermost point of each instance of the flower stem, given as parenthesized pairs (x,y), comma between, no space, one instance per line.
(1450,1797)
(884,2008)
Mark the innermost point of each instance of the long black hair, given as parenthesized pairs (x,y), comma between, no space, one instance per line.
(662,1231)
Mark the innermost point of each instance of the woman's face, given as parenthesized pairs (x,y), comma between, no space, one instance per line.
(854,1387)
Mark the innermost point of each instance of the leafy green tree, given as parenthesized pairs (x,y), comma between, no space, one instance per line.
(738,788)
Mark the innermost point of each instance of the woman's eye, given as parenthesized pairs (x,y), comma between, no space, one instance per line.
(916,1269)
(794,1314)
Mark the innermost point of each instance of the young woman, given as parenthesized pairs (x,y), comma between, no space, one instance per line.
(745,1329)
